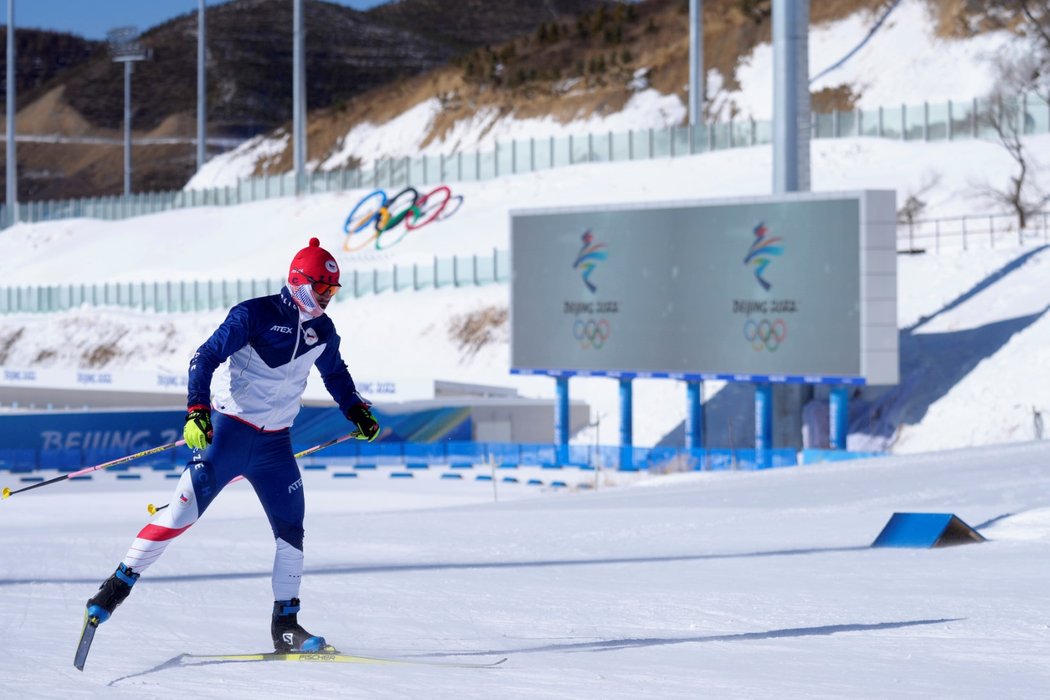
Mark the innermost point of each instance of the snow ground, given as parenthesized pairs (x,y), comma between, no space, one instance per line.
(725,585)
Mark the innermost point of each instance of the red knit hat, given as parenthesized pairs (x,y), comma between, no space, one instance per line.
(314,262)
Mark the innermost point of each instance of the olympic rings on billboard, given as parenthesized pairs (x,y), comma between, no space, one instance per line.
(765,334)
(591,333)
(377,214)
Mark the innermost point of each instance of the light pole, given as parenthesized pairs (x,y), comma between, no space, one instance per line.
(696,63)
(12,159)
(791,127)
(125,48)
(298,95)
(202,95)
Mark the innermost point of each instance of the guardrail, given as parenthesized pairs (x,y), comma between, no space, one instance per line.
(210,295)
(946,121)
(458,455)
(974,231)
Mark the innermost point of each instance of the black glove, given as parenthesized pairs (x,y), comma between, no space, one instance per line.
(364,420)
(197,430)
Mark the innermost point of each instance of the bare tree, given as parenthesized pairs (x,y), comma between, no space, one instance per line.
(1007,115)
(1032,19)
(1038,22)
(915,202)
(1024,74)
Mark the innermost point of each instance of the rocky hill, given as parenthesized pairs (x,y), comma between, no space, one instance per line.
(40,56)
(70,87)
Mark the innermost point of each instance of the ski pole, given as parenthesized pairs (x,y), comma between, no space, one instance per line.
(333,441)
(145,453)
(153,510)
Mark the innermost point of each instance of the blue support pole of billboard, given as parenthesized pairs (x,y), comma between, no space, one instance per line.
(694,420)
(763,416)
(838,416)
(561,413)
(626,421)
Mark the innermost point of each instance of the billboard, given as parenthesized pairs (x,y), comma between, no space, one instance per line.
(799,287)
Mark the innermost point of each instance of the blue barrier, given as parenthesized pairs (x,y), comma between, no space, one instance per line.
(459,455)
(926,530)
(814,456)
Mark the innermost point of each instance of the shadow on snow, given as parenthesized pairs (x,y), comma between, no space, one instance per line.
(787,633)
(634,643)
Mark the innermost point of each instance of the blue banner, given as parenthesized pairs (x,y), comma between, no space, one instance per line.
(72,440)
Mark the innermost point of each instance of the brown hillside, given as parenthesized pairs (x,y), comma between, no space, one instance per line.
(249,57)
(567,58)
(574,67)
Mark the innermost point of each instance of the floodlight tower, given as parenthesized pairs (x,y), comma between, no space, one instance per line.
(696,62)
(791,109)
(202,95)
(299,115)
(12,161)
(124,47)
(694,390)
(791,173)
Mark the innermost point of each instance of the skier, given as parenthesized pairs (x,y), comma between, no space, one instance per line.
(260,356)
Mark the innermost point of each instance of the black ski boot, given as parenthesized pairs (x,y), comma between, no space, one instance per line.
(111,593)
(288,635)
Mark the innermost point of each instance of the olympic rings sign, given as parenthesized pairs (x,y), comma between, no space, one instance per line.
(765,334)
(591,333)
(377,214)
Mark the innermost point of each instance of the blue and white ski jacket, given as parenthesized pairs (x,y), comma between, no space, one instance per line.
(268,346)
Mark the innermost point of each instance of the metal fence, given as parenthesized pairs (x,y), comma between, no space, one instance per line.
(968,232)
(209,295)
(925,122)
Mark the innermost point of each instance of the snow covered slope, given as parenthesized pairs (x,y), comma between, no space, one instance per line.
(996,296)
(722,585)
(903,63)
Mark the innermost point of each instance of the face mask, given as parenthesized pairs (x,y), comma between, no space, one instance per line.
(304,297)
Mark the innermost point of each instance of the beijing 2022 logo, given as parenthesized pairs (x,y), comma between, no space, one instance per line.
(591,326)
(590,254)
(764,334)
(761,253)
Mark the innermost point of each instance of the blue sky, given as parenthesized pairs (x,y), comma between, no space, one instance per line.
(93,18)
